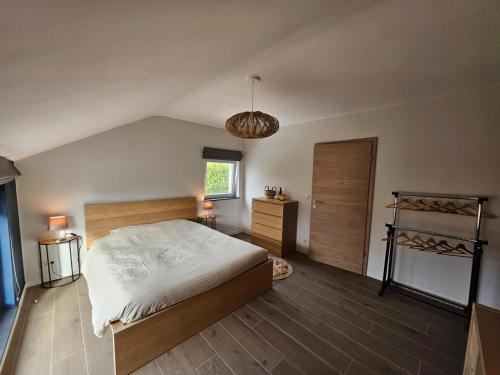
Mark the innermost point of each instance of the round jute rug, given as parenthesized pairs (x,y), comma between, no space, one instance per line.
(281,268)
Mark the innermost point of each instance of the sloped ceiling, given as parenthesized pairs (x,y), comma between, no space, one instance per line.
(70,69)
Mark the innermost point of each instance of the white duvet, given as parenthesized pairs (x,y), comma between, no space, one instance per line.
(136,271)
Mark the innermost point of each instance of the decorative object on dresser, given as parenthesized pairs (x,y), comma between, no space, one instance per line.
(270,193)
(281,196)
(45,259)
(410,238)
(252,124)
(482,356)
(274,225)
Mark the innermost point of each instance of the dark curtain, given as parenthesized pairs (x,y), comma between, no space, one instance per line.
(13,273)
(221,154)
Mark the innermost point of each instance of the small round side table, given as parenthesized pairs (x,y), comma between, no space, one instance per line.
(69,239)
(208,220)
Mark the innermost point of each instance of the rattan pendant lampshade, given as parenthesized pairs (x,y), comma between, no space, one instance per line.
(252,124)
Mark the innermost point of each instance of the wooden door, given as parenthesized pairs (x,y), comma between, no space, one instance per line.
(342,192)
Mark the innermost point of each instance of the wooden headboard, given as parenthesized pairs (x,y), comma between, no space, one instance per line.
(101,218)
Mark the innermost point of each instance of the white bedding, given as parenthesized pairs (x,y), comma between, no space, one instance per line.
(138,270)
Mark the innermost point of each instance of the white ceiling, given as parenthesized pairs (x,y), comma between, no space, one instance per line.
(70,69)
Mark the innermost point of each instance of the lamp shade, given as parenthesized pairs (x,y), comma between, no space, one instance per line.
(208,205)
(252,125)
(58,222)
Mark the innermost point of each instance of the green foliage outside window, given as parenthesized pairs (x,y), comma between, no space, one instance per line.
(218,178)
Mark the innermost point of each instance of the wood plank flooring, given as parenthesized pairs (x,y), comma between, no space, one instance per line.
(7,316)
(321,320)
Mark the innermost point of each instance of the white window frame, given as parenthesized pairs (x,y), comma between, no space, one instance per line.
(235,182)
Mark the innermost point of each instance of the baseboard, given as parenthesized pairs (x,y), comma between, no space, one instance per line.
(233,232)
(31,283)
(302,251)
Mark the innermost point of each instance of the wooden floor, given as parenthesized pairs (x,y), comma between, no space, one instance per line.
(7,316)
(321,320)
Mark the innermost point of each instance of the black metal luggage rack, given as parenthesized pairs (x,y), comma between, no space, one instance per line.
(473,207)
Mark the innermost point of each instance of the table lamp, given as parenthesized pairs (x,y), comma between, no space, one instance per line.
(208,205)
(59,224)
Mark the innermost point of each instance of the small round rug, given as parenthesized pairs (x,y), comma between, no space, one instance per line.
(281,268)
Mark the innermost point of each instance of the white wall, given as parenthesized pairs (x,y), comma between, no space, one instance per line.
(157,157)
(444,145)
(448,144)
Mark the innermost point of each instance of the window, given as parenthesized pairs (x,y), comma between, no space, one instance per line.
(11,262)
(221,172)
(221,179)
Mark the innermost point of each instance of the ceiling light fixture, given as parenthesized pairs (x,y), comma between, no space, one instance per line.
(252,124)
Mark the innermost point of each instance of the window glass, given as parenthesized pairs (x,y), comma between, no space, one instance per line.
(220,179)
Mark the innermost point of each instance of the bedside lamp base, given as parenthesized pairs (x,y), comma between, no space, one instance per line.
(61,235)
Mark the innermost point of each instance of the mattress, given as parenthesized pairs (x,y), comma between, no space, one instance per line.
(138,270)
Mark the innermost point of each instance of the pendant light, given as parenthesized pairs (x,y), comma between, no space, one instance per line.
(252,124)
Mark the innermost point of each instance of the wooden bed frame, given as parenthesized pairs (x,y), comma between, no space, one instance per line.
(138,343)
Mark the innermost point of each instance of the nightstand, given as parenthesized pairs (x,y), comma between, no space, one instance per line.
(70,240)
(208,220)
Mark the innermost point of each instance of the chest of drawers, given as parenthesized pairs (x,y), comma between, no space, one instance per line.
(482,357)
(274,225)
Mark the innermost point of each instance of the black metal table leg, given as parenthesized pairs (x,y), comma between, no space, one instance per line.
(40,255)
(48,265)
(71,261)
(78,246)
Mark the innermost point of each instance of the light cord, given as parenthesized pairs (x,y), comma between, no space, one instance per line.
(253,82)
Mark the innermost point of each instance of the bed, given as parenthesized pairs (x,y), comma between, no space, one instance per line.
(157,278)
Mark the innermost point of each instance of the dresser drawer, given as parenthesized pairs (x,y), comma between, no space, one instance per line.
(274,225)
(274,247)
(269,220)
(264,230)
(268,208)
